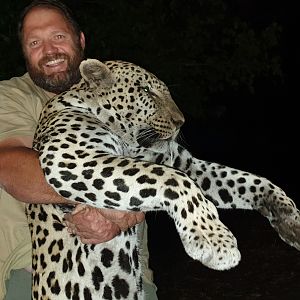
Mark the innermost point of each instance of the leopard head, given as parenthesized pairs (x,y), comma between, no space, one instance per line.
(131,102)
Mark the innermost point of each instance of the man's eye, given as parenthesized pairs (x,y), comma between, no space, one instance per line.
(59,36)
(33,43)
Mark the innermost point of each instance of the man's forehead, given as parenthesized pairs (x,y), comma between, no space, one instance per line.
(39,17)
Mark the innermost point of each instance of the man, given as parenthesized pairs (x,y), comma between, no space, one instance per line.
(53,47)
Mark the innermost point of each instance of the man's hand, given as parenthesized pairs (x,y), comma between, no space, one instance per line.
(95,226)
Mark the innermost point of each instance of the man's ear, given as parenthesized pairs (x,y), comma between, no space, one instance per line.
(96,74)
(82,40)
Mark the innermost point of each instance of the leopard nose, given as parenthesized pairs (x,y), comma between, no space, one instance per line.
(178,122)
(175,115)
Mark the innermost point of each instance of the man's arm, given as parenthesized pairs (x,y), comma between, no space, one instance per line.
(21,174)
(22,177)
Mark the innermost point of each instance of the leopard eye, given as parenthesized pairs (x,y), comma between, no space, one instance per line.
(146,89)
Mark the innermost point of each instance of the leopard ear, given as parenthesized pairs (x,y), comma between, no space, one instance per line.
(96,74)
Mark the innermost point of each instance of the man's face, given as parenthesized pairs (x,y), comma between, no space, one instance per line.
(51,49)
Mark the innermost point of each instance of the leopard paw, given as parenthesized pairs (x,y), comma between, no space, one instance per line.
(284,218)
(216,249)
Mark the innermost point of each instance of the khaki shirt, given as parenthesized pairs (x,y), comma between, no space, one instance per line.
(21,102)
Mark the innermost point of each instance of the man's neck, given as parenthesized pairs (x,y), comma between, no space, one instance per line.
(50,94)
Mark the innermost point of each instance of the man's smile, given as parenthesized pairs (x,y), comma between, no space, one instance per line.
(55,65)
(55,62)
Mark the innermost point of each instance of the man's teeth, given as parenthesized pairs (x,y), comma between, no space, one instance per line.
(54,62)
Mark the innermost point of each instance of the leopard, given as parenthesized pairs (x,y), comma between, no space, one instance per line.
(111,141)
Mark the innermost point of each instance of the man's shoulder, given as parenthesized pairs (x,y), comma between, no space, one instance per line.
(22,87)
(23,82)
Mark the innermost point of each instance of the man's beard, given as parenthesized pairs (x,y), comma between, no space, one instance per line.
(61,81)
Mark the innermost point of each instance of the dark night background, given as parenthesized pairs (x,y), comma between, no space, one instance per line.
(232,67)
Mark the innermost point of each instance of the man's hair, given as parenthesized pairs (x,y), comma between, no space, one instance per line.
(51,4)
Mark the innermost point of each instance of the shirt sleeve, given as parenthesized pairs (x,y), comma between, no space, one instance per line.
(19,110)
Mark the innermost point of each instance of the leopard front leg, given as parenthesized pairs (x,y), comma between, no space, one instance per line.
(231,188)
(125,183)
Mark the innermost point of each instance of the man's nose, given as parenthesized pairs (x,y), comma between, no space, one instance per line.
(49,47)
